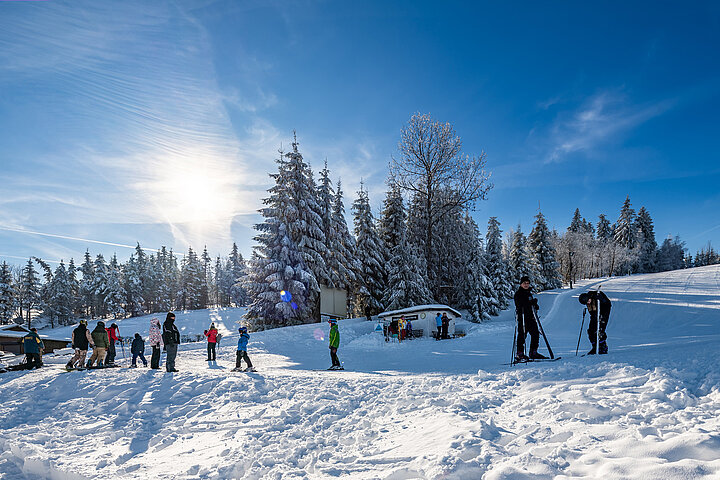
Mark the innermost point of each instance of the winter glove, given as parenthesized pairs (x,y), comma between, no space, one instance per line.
(534,303)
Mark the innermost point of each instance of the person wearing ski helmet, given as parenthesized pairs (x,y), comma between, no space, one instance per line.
(81,340)
(100,345)
(525,308)
(242,351)
(334,344)
(156,342)
(171,337)
(113,337)
(596,300)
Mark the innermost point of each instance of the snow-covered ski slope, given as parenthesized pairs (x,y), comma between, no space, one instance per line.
(422,409)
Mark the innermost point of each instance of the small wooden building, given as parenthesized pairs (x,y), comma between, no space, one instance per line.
(11,337)
(422,317)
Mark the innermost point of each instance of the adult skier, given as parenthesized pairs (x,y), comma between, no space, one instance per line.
(595,299)
(100,345)
(524,306)
(242,352)
(33,347)
(438,324)
(445,325)
(156,342)
(81,340)
(334,344)
(112,337)
(212,342)
(138,350)
(171,337)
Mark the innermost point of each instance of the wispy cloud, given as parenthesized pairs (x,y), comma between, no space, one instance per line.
(598,121)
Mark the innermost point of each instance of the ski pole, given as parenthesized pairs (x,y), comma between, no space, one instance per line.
(512,352)
(580,335)
(122,342)
(547,344)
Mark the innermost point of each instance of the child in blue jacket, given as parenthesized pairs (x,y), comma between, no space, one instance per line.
(242,352)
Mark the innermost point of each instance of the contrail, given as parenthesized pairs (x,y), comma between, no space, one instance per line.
(64,237)
(24,258)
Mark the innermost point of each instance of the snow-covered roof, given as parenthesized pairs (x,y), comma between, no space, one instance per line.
(420,308)
(16,334)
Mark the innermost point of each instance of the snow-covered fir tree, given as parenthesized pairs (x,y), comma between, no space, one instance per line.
(46,292)
(114,294)
(60,305)
(544,268)
(86,286)
(236,271)
(74,285)
(406,286)
(7,294)
(370,252)
(164,292)
(192,281)
(519,263)
(604,229)
(29,292)
(343,243)
(278,281)
(393,218)
(647,256)
(99,286)
(625,232)
(671,255)
(134,275)
(473,284)
(496,266)
(207,275)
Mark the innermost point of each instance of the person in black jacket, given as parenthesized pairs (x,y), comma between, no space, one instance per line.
(138,350)
(171,338)
(596,300)
(524,306)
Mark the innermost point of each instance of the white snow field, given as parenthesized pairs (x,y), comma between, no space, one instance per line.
(421,409)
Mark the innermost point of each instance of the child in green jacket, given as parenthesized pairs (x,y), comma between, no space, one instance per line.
(334,344)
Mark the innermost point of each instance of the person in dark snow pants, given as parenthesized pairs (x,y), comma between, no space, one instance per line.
(438,324)
(171,337)
(138,350)
(525,307)
(33,347)
(334,344)
(594,300)
(242,351)
(112,338)
(211,335)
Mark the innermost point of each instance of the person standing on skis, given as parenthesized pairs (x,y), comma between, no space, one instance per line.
(156,342)
(594,300)
(81,340)
(525,308)
(242,352)
(112,338)
(138,350)
(334,344)
(100,345)
(171,338)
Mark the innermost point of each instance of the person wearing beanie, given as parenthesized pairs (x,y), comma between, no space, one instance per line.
(212,342)
(598,305)
(138,350)
(156,342)
(113,337)
(242,352)
(171,337)
(525,307)
(33,347)
(100,345)
(81,340)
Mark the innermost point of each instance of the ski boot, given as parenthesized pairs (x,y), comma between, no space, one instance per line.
(250,369)
(69,366)
(592,350)
(537,356)
(521,358)
(603,348)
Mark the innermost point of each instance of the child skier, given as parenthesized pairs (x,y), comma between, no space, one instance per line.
(334,344)
(242,352)
(138,350)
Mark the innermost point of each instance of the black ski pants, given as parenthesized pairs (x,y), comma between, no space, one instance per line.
(592,329)
(155,359)
(211,351)
(110,358)
(242,355)
(334,357)
(170,358)
(527,324)
(33,360)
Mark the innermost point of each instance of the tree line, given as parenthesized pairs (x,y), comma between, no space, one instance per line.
(146,283)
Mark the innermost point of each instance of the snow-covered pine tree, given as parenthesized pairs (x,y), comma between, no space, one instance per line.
(671,254)
(192,281)
(625,233)
(647,259)
(473,284)
(219,276)
(74,286)
(302,218)
(46,292)
(86,286)
(519,263)
(497,268)
(7,294)
(164,298)
(343,244)
(236,272)
(604,229)
(406,286)
(114,294)
(99,286)
(61,296)
(29,294)
(450,254)
(207,278)
(544,268)
(133,274)
(371,255)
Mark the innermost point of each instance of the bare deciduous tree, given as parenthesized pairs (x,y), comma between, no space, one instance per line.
(432,166)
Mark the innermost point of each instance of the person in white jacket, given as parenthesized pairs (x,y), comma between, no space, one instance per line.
(156,342)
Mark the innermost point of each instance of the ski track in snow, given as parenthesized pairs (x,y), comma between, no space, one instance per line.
(420,409)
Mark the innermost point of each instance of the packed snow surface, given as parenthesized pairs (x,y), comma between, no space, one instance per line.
(421,409)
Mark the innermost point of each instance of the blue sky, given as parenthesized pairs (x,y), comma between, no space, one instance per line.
(158,121)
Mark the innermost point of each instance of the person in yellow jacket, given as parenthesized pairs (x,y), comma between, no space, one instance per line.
(334,344)
(33,347)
